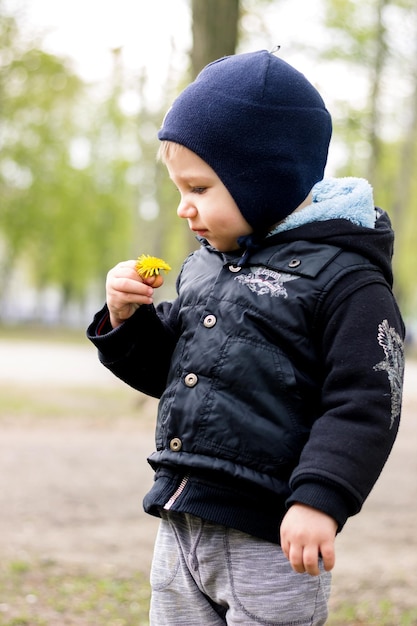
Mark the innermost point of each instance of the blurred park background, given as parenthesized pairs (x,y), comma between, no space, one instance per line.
(84,86)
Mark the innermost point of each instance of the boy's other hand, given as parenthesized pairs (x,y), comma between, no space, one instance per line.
(126,291)
(307,533)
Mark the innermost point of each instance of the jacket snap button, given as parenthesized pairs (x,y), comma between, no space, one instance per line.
(234,268)
(210,321)
(294,263)
(191,380)
(175,444)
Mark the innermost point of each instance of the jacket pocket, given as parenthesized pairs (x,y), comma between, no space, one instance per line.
(250,413)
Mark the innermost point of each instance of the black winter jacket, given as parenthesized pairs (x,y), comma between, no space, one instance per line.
(279,378)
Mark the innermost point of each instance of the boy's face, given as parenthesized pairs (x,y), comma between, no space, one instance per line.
(205,202)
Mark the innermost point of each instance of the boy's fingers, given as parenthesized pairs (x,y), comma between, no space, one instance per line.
(295,557)
(154,281)
(311,560)
(328,556)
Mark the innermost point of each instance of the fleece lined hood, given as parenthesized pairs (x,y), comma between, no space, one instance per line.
(336,198)
(343,214)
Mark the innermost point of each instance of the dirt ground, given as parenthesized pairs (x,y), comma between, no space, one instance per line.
(70,491)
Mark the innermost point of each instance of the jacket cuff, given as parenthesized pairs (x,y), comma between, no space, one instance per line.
(114,343)
(325,499)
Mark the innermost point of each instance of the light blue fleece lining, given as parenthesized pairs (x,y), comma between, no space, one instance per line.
(335,198)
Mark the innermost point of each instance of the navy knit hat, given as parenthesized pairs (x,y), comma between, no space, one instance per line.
(261,126)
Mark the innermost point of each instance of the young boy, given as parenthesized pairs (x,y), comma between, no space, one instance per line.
(279,366)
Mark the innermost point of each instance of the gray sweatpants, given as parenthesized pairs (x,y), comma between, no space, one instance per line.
(204,574)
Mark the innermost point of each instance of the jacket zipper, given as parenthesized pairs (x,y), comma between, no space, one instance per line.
(177,493)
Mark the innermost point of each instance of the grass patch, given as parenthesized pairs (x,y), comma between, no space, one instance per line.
(49,334)
(381,613)
(25,404)
(43,594)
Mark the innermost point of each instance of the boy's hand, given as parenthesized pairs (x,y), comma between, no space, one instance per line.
(126,291)
(307,533)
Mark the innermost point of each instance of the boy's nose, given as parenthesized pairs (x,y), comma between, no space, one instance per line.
(186,210)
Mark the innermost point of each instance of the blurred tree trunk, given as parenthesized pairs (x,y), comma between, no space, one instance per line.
(377,76)
(215,31)
(404,207)
(408,155)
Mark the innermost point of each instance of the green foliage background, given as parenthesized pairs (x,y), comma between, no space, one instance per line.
(80,188)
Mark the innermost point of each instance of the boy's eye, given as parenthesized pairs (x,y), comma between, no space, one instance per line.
(198,189)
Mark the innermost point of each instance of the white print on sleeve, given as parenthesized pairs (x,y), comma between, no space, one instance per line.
(263,281)
(393,363)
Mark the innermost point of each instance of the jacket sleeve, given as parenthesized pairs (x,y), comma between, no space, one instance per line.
(139,351)
(361,340)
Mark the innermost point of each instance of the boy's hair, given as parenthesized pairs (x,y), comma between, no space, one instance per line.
(167,150)
(261,126)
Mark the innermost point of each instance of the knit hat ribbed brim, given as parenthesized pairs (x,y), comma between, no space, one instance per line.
(262,127)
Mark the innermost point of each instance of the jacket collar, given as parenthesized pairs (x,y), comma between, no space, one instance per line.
(335,198)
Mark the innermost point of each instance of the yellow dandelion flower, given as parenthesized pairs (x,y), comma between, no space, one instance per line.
(147,266)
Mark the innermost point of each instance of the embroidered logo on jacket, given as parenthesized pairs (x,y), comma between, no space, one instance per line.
(263,281)
(392,345)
